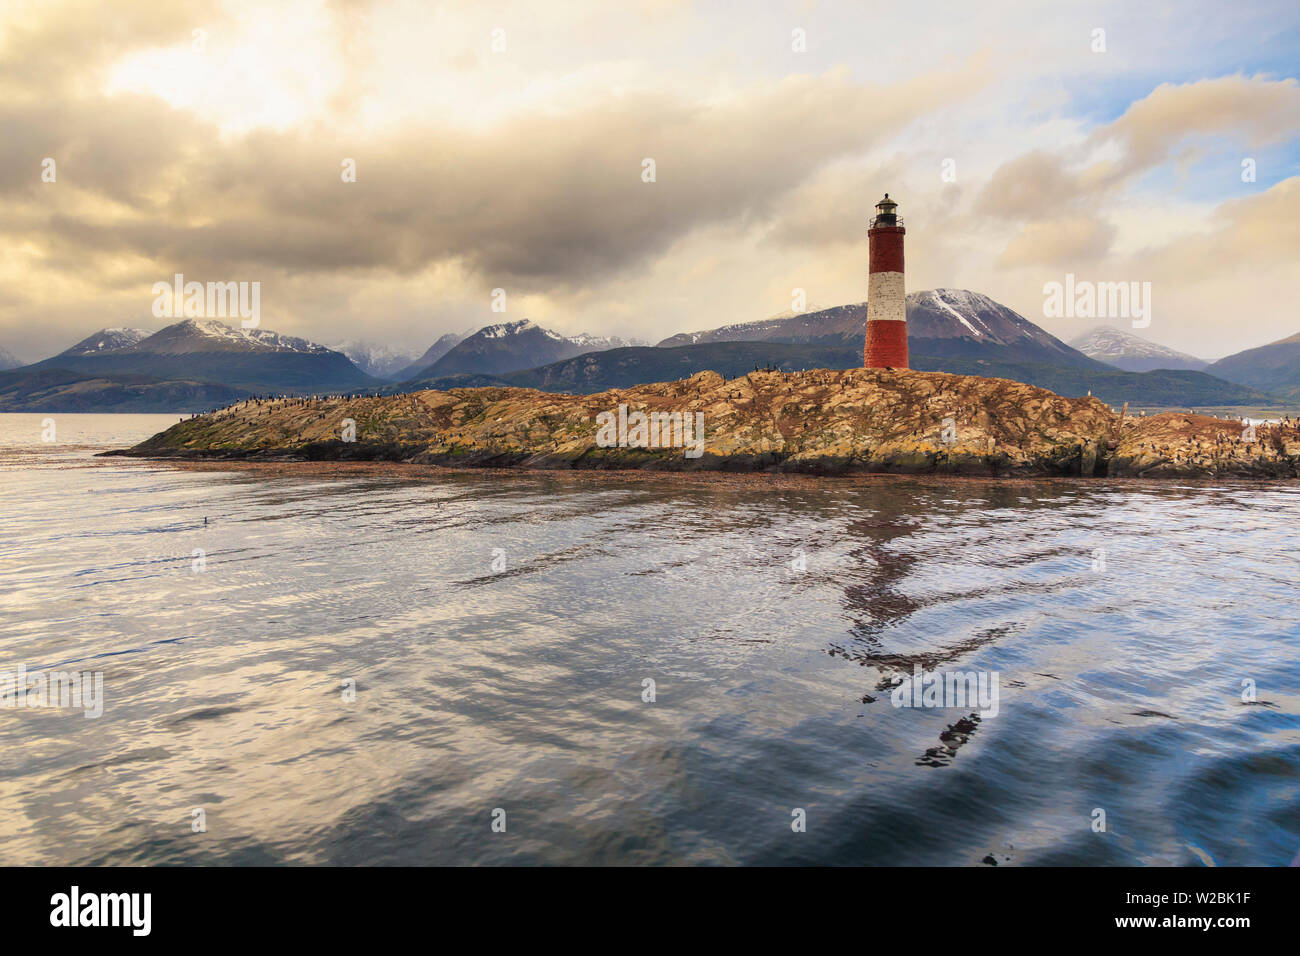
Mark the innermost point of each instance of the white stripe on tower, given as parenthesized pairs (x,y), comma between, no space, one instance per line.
(886,297)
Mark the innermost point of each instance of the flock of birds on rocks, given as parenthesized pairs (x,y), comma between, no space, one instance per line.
(267,401)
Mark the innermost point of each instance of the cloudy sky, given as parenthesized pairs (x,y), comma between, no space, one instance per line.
(501,145)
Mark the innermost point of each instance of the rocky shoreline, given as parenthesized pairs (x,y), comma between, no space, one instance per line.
(819,422)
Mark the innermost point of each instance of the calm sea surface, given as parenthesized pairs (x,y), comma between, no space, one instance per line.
(499,630)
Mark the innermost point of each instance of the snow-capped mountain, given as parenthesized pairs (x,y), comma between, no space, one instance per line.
(583,340)
(824,326)
(509,347)
(381,361)
(8,360)
(965,324)
(108,340)
(603,343)
(1132,353)
(207,351)
(506,329)
(505,347)
(812,326)
(209,335)
(940,322)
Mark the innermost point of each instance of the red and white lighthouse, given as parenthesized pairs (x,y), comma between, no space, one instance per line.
(886,345)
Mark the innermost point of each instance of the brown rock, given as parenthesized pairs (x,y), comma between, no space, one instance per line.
(822,422)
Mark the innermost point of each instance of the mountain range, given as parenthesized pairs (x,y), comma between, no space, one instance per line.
(950,330)
(509,347)
(187,366)
(194,364)
(199,350)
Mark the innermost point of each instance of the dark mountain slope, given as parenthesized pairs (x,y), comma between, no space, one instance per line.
(62,390)
(1272,368)
(623,368)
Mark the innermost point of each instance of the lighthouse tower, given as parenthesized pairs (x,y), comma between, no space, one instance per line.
(886,345)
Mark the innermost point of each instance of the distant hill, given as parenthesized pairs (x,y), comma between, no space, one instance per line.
(1273,368)
(9,360)
(1185,388)
(210,352)
(1130,352)
(510,346)
(59,390)
(443,382)
(622,368)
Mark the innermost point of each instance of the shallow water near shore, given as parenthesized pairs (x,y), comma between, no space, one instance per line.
(499,629)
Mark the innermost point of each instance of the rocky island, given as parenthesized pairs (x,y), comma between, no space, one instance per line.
(815,422)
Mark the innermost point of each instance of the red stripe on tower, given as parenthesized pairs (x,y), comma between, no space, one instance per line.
(886,345)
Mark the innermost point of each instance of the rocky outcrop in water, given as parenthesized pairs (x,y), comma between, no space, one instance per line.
(820,422)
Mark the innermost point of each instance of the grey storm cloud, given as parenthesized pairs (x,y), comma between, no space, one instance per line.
(553,198)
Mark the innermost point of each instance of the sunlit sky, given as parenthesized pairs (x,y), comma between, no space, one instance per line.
(500,145)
